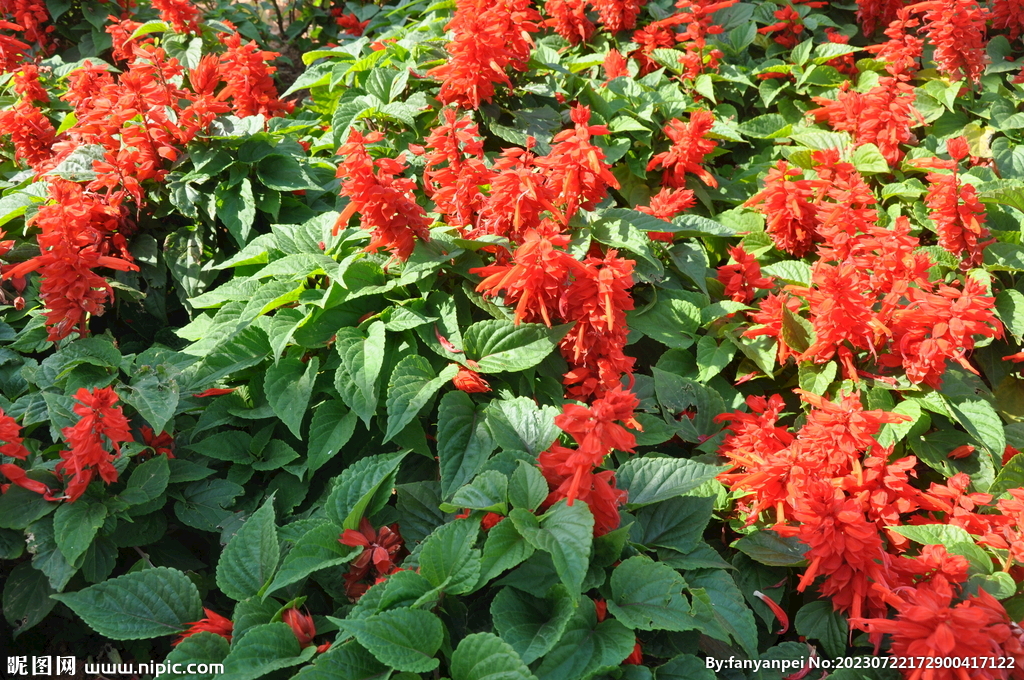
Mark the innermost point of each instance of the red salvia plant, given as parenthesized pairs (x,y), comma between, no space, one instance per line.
(568,18)
(956,28)
(874,13)
(381,549)
(788,28)
(30,19)
(743,279)
(384,201)
(690,147)
(455,170)
(788,205)
(101,424)
(698,26)
(1008,15)
(665,205)
(488,37)
(182,15)
(80,232)
(212,623)
(31,132)
(954,207)
(27,86)
(617,15)
(247,72)
(519,198)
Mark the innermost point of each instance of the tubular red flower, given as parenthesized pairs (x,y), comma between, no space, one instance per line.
(182,15)
(101,424)
(569,19)
(469,380)
(32,133)
(689,149)
(213,623)
(956,28)
(788,205)
(617,15)
(247,72)
(743,279)
(302,626)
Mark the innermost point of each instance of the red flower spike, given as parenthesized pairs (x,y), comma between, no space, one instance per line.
(688,151)
(956,28)
(213,623)
(380,549)
(301,624)
(215,392)
(470,381)
(636,657)
(100,421)
(779,612)
(250,88)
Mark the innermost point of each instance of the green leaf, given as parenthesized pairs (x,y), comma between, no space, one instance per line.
(331,428)
(672,320)
(317,549)
(463,440)
(982,422)
(361,361)
(999,585)
(264,649)
(728,610)
(767,547)
(288,385)
(347,661)
(819,621)
(624,229)
(651,480)
(203,647)
(488,491)
(485,656)
(567,533)
(504,548)
(75,526)
(154,394)
(27,599)
(236,208)
(404,639)
(448,559)
(527,489)
(684,667)
(519,424)
(712,358)
(412,385)
(1005,256)
(285,173)
(46,556)
(867,159)
(677,523)
(531,625)
(587,647)
(248,561)
(147,481)
(498,345)
(647,595)
(955,539)
(143,604)
(1010,477)
(1010,305)
(204,503)
(358,487)
(20,507)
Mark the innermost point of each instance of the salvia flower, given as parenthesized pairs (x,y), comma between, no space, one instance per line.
(743,279)
(569,19)
(956,28)
(101,425)
(788,205)
(212,623)
(690,147)
(247,72)
(380,550)
(469,380)
(301,624)
(182,15)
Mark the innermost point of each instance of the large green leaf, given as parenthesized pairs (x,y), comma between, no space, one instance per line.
(154,394)
(147,481)
(498,345)
(819,621)
(463,440)
(724,612)
(448,559)
(527,488)
(349,661)
(361,360)
(75,526)
(677,523)
(504,548)
(236,208)
(249,560)
(412,384)
(143,604)
(316,549)
(586,647)
(20,507)
(519,424)
(201,648)
(357,489)
(567,533)
(648,595)
(264,649)
(650,480)
(404,639)
(27,598)
(531,625)
(331,428)
(768,547)
(288,385)
(485,656)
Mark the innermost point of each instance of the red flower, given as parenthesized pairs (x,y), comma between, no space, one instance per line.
(301,624)
(617,15)
(699,24)
(455,169)
(213,623)
(903,49)
(488,38)
(10,435)
(636,657)
(743,279)
(519,198)
(569,20)
(182,15)
(490,520)
(101,424)
(380,549)
(79,233)
(32,133)
(665,205)
(18,477)
(787,29)
(386,204)
(349,23)
(769,318)
(1008,15)
(874,13)
(614,65)
(788,206)
(576,170)
(928,624)
(844,64)
(29,17)
(469,380)
(26,83)
(162,444)
(778,611)
(956,28)
(247,72)
(688,151)
(958,215)
(215,392)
